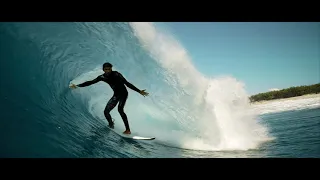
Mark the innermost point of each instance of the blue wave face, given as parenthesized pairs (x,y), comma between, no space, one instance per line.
(40,114)
(42,117)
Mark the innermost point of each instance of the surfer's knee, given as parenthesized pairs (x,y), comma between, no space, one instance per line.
(120,109)
(107,110)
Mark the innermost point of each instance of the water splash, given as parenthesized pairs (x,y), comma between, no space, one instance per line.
(214,113)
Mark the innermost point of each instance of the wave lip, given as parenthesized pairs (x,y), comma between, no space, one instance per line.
(213,113)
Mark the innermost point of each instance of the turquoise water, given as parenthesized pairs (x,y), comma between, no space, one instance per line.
(190,115)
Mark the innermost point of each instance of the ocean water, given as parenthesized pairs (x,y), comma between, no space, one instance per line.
(191,115)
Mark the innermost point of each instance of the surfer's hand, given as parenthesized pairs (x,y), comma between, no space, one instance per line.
(72,86)
(144,93)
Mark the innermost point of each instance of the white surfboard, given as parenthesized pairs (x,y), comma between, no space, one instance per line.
(134,136)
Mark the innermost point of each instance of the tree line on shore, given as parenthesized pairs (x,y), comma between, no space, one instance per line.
(286,93)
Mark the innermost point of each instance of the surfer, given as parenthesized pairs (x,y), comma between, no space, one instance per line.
(120,94)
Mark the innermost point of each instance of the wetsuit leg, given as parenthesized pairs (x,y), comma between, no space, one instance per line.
(110,105)
(122,103)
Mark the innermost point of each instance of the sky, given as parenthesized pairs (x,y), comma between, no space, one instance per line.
(263,55)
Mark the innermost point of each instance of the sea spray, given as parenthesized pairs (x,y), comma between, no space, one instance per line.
(216,110)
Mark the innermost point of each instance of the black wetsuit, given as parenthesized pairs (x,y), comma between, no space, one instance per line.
(117,82)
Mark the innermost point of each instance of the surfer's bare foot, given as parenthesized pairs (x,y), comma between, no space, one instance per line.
(126,132)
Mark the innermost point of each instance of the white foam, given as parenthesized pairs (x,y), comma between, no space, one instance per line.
(215,113)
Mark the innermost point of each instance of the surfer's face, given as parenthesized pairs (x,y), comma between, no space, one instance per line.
(107,69)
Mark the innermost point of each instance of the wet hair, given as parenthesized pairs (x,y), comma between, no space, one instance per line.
(106,65)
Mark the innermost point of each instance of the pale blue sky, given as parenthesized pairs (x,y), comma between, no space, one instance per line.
(263,55)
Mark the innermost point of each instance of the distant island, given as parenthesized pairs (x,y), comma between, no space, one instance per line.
(286,93)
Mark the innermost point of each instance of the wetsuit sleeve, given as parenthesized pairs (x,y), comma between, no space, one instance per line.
(129,85)
(88,83)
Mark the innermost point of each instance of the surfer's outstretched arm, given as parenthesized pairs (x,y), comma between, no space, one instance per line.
(131,86)
(88,83)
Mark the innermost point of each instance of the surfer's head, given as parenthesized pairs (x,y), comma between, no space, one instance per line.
(107,67)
